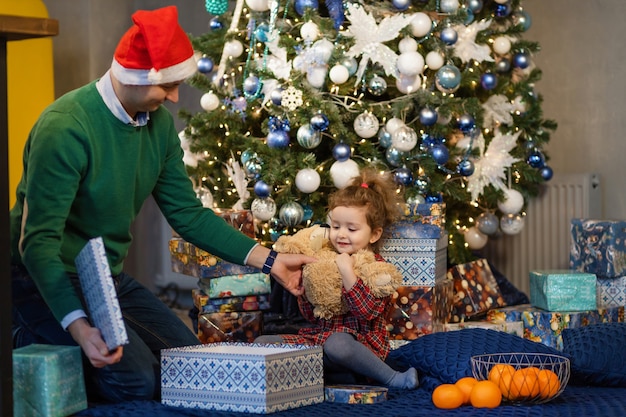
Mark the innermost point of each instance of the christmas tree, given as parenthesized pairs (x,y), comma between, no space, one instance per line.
(298,95)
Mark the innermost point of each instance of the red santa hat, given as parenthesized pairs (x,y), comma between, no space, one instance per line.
(155,50)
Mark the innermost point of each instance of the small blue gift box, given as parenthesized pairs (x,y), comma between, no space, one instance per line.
(422,261)
(598,247)
(563,290)
(611,292)
(48,381)
(241,377)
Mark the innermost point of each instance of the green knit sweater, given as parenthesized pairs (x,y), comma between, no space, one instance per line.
(87,174)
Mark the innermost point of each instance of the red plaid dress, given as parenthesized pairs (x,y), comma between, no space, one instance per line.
(365,320)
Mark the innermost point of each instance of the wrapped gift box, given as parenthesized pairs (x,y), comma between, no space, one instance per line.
(416,310)
(511,327)
(427,213)
(236,326)
(611,292)
(598,247)
(236,285)
(475,290)
(242,220)
(242,377)
(355,394)
(546,327)
(190,260)
(48,381)
(224,305)
(563,290)
(421,261)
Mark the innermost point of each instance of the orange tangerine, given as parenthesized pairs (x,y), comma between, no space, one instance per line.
(447,396)
(501,374)
(549,383)
(465,385)
(485,394)
(524,384)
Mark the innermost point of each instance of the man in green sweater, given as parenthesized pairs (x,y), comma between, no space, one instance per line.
(90,162)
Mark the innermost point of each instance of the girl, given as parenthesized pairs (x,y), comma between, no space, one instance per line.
(355,344)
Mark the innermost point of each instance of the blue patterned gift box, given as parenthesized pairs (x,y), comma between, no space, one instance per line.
(598,247)
(611,292)
(48,381)
(546,327)
(236,285)
(563,290)
(252,378)
(422,261)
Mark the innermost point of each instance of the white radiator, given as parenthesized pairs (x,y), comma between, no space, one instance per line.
(544,243)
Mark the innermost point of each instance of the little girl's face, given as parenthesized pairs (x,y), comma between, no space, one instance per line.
(349,230)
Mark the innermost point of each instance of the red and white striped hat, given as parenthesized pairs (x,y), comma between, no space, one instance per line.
(155,50)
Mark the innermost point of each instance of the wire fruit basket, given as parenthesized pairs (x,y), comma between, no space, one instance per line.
(524,378)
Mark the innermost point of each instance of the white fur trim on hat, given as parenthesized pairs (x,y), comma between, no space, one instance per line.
(178,72)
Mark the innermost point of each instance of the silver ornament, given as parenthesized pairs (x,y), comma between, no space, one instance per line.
(291,213)
(263,208)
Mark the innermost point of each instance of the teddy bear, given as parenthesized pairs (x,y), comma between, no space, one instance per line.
(321,280)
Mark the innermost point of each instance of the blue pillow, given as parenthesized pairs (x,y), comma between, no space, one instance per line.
(598,355)
(445,357)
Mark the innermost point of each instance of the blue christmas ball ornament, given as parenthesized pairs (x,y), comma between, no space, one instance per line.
(351,64)
(466,123)
(302,5)
(503,65)
(384,138)
(401,5)
(261,189)
(487,223)
(251,85)
(434,198)
(262,32)
(502,10)
(428,116)
(205,65)
(341,152)
(475,6)
(319,122)
(546,173)
(277,139)
(440,154)
(488,81)
(521,60)
(277,96)
(253,168)
(308,212)
(307,137)
(403,176)
(536,159)
(448,78)
(449,36)
(523,19)
(394,156)
(215,24)
(466,167)
(248,155)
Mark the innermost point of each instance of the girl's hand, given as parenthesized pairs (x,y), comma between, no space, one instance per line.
(345,264)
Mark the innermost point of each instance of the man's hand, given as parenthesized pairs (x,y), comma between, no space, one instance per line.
(90,340)
(286,270)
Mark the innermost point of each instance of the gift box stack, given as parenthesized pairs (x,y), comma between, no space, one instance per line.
(599,247)
(231,298)
(417,246)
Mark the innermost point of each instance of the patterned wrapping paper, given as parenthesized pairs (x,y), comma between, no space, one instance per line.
(546,327)
(242,377)
(225,305)
(190,260)
(511,327)
(416,310)
(236,285)
(236,326)
(48,381)
(475,290)
(598,247)
(611,292)
(427,213)
(422,262)
(99,291)
(355,394)
(562,290)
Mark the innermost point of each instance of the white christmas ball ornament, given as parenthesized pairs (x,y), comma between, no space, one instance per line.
(410,63)
(513,202)
(209,101)
(393,124)
(511,224)
(407,84)
(449,6)
(258,5)
(366,125)
(309,31)
(233,48)
(263,208)
(343,172)
(316,75)
(404,139)
(421,24)
(323,50)
(434,60)
(339,74)
(475,239)
(407,44)
(501,45)
(307,180)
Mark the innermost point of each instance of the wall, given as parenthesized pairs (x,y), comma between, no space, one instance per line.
(582,86)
